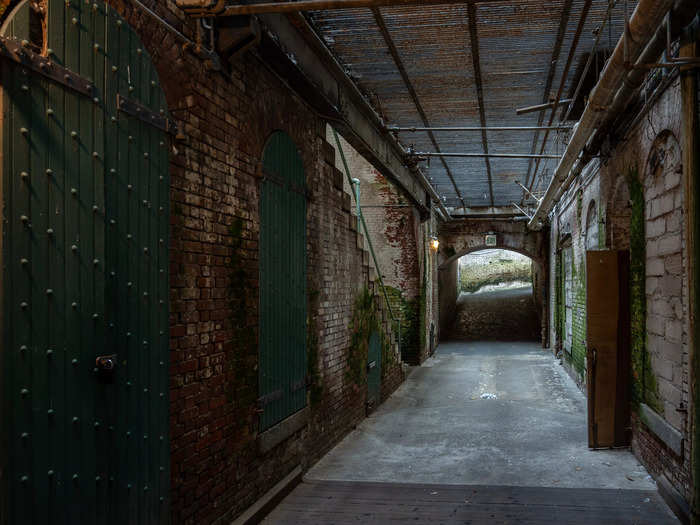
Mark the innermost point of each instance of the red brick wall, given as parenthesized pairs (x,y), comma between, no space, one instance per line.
(215,466)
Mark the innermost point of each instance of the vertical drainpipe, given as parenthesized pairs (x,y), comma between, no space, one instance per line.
(691,172)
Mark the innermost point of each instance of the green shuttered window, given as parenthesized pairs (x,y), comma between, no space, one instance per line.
(282,359)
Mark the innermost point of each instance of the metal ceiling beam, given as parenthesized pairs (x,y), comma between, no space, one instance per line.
(321,81)
(564,76)
(477,128)
(485,155)
(540,107)
(411,90)
(476,62)
(206,8)
(561,30)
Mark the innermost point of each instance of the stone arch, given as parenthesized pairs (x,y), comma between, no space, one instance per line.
(480,247)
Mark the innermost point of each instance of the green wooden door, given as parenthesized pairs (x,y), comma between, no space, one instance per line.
(282,355)
(85,192)
(374,369)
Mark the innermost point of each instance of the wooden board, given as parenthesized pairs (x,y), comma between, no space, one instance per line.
(337,502)
(608,367)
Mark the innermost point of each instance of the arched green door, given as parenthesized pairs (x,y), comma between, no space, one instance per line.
(85,193)
(282,365)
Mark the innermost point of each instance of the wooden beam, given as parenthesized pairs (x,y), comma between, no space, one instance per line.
(476,63)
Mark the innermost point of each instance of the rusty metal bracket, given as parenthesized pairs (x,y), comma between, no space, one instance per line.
(17,51)
(133,108)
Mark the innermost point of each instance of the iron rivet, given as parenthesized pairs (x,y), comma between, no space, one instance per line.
(128,285)
(130,138)
(98,479)
(74,20)
(49,111)
(74,134)
(49,291)
(75,477)
(49,352)
(23,305)
(95,207)
(24,262)
(23,348)
(128,236)
(145,436)
(112,222)
(161,302)
(113,274)
(74,361)
(50,473)
(139,51)
(128,334)
(119,22)
(95,154)
(145,154)
(131,88)
(24,479)
(112,170)
(161,363)
(161,499)
(66,77)
(160,241)
(145,390)
(75,419)
(95,262)
(74,248)
(153,83)
(162,469)
(74,305)
(96,100)
(73,191)
(160,208)
(95,316)
(24,175)
(145,294)
(50,411)
(23,131)
(145,488)
(49,51)
(49,231)
(24,435)
(160,177)
(114,119)
(96,46)
(129,187)
(49,171)
(25,87)
(145,249)
(128,486)
(24,392)
(24,218)
(162,143)
(97,424)
(114,69)
(128,433)
(162,111)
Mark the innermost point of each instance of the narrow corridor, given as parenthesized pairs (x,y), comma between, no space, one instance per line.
(473,423)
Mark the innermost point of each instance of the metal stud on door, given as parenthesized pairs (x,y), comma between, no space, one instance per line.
(85,261)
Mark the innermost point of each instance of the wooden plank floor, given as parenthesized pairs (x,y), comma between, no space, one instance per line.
(338,502)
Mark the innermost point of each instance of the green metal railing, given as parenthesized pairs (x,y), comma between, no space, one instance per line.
(367,236)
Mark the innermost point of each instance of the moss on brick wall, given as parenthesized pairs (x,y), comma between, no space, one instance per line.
(365,320)
(578,312)
(407,313)
(644,388)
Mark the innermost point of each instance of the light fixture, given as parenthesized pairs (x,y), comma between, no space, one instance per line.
(434,243)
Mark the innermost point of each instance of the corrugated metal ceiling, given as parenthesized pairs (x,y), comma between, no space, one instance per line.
(516,46)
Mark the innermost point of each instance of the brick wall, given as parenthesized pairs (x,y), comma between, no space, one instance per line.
(649,152)
(396,232)
(216,468)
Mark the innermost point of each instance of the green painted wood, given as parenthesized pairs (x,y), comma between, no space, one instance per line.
(282,352)
(374,369)
(86,275)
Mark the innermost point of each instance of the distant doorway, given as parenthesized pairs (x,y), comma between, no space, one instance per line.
(495,297)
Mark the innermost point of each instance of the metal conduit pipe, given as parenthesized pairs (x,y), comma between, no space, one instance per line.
(643,25)
(681,12)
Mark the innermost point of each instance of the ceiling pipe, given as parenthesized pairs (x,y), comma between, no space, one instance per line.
(540,107)
(482,155)
(643,25)
(413,129)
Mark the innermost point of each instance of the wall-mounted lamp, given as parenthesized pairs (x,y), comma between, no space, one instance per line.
(434,243)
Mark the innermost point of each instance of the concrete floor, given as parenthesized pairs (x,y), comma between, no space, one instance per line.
(485,413)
